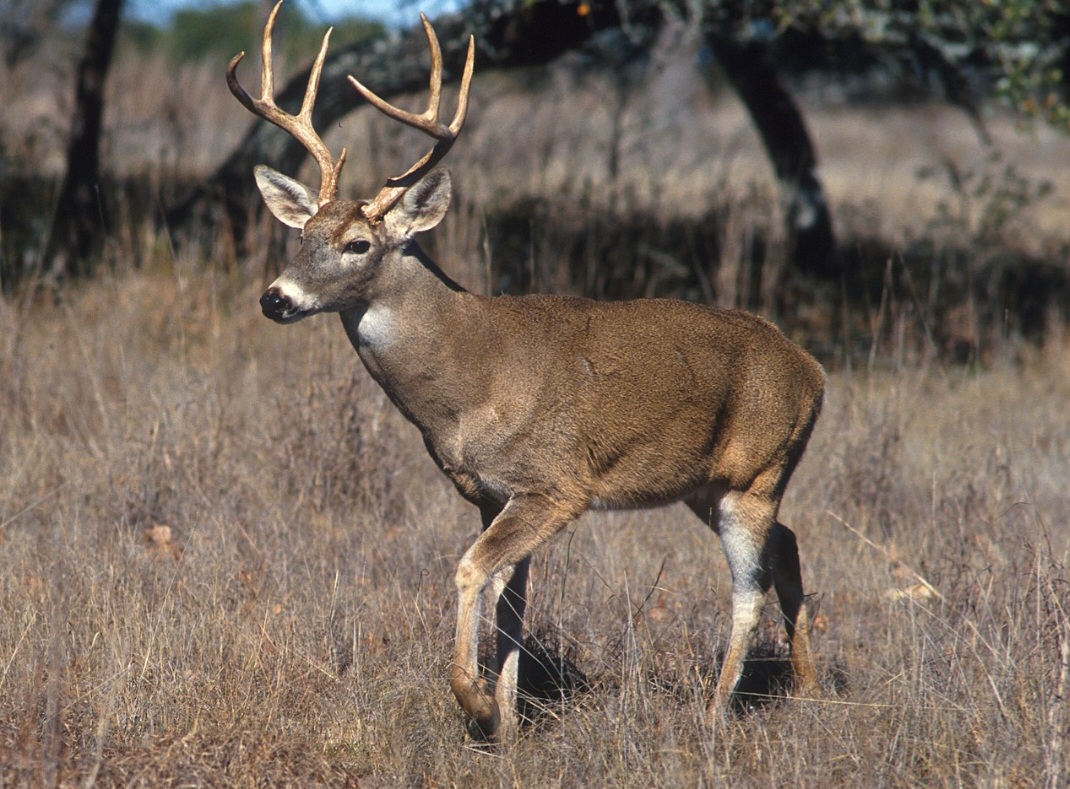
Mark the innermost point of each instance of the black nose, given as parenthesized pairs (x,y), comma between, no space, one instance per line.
(274,304)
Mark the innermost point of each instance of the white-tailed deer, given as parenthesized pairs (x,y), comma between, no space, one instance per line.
(539,408)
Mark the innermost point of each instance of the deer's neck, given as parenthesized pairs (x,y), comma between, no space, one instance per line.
(419,336)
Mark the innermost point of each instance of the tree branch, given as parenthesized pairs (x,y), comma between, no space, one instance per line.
(529,34)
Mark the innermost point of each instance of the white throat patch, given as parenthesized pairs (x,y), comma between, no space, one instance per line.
(377,328)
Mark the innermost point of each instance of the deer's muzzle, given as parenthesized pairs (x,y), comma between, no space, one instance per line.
(276,306)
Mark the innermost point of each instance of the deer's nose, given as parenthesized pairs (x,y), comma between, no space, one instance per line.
(274,304)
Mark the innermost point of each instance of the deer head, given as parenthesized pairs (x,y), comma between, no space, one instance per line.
(344,242)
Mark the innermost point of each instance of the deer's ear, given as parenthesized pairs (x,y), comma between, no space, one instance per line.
(422,207)
(290,201)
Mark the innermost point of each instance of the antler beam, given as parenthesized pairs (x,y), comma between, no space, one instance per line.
(298,126)
(427,122)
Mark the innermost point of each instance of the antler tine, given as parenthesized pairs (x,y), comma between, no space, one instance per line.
(426,121)
(298,126)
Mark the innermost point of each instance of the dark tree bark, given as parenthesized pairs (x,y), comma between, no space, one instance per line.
(787,142)
(958,92)
(80,223)
(531,34)
(522,34)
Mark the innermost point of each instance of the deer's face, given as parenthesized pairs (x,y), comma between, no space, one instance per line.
(346,246)
(343,254)
(340,254)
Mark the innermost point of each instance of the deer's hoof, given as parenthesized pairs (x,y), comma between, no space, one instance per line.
(478,702)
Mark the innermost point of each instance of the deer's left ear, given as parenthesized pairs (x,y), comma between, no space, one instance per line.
(422,207)
(290,201)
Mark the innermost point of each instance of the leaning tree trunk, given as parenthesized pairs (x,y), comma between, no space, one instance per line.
(783,131)
(529,34)
(80,223)
(508,34)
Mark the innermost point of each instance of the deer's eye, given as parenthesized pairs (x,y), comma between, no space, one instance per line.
(358,247)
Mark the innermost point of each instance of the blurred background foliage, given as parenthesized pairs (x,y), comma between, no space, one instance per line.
(210,31)
(193,31)
(1017,49)
(595,185)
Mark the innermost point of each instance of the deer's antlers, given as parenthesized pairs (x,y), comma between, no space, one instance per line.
(427,121)
(298,126)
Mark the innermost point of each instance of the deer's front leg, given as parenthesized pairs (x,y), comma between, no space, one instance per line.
(524,524)
(509,619)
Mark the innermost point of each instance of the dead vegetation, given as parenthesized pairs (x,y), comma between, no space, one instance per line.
(226,560)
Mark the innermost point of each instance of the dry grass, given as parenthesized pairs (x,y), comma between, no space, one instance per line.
(682,147)
(226,560)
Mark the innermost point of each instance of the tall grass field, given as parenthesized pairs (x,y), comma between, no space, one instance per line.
(226,559)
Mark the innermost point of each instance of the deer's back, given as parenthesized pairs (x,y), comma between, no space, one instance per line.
(636,402)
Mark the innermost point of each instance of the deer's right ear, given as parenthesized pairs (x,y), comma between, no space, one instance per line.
(290,201)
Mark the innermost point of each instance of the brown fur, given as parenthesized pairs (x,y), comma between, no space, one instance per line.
(541,407)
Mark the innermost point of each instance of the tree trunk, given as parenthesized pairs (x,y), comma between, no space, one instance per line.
(787,142)
(80,223)
(527,34)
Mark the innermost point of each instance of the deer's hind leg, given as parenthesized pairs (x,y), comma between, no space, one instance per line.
(743,522)
(787,580)
(762,554)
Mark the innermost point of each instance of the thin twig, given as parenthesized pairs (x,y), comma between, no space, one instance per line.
(936,593)
(917,576)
